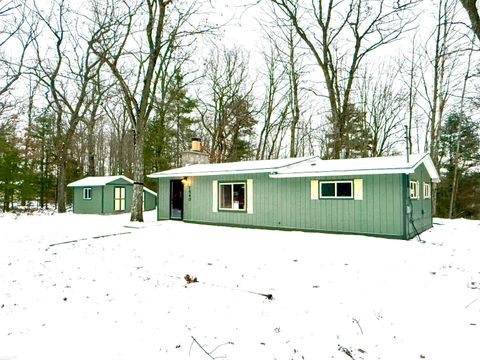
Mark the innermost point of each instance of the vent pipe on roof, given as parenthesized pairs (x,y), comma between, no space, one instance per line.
(407,143)
(343,153)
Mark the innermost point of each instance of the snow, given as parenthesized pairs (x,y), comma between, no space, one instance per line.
(98,180)
(103,180)
(125,296)
(238,167)
(361,166)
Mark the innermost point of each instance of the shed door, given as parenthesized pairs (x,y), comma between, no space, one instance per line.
(119,204)
(176,200)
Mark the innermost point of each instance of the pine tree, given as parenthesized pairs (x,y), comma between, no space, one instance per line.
(170,131)
(9,166)
(466,139)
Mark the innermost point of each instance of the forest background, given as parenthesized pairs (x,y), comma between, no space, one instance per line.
(106,87)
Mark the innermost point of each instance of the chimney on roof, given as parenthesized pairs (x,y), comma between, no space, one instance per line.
(195,155)
(196,144)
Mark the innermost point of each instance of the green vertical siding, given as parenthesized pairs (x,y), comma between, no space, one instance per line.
(93,206)
(286,203)
(163,199)
(150,201)
(103,199)
(421,208)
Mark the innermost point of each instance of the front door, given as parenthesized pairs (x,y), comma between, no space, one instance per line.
(176,200)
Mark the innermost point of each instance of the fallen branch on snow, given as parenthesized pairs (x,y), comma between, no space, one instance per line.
(267,296)
(346,351)
(470,303)
(93,237)
(357,321)
(205,351)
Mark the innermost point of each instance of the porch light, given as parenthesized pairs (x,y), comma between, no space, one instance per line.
(186,181)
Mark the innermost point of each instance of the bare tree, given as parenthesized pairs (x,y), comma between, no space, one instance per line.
(383,105)
(158,25)
(472,11)
(411,67)
(327,28)
(275,77)
(226,108)
(438,89)
(17,32)
(456,153)
(65,71)
(97,96)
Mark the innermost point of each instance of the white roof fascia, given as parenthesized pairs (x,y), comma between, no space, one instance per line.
(185,171)
(96,181)
(345,173)
(150,191)
(432,171)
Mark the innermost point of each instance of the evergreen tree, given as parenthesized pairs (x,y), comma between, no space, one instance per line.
(170,131)
(42,133)
(9,165)
(466,139)
(356,140)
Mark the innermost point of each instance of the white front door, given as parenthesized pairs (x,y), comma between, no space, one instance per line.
(119,199)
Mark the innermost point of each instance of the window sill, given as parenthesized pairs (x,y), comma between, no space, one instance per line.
(335,198)
(232,211)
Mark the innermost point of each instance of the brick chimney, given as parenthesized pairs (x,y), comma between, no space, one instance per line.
(195,155)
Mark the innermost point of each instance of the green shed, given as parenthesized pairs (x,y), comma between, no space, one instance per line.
(107,195)
(384,196)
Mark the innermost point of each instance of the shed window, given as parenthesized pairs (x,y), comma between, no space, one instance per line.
(232,196)
(426,190)
(87,193)
(414,185)
(336,189)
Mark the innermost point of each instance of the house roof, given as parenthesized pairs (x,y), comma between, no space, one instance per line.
(362,166)
(239,167)
(103,180)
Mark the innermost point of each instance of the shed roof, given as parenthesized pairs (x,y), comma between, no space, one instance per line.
(103,180)
(239,167)
(361,166)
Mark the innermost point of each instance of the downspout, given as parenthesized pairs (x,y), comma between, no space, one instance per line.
(103,199)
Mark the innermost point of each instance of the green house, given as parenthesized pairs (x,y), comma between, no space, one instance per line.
(107,195)
(385,196)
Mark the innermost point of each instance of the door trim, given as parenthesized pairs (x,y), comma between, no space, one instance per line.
(171,200)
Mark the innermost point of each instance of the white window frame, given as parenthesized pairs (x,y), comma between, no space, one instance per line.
(87,193)
(220,184)
(426,191)
(414,191)
(335,196)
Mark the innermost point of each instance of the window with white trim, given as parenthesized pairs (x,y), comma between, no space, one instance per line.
(426,190)
(232,196)
(414,191)
(87,193)
(336,189)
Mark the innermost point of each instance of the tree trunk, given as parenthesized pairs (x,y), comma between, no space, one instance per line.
(138,174)
(459,132)
(61,195)
(91,149)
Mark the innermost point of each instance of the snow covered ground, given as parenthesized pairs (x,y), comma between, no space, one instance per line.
(334,296)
